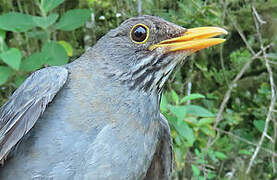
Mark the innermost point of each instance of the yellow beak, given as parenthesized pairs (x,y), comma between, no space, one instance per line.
(192,40)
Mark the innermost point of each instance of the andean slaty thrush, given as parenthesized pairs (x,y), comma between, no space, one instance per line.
(104,120)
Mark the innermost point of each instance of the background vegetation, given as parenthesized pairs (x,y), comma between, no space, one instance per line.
(221,105)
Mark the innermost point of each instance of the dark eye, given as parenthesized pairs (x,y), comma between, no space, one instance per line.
(139,33)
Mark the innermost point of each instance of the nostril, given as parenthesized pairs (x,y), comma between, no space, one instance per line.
(180,33)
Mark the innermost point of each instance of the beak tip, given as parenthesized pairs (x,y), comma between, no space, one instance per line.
(220,30)
(224,32)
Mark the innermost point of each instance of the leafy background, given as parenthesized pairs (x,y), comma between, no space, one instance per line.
(221,104)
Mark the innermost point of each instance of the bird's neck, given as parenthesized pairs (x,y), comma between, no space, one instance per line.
(116,90)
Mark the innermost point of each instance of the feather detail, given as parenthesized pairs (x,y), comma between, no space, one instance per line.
(27,104)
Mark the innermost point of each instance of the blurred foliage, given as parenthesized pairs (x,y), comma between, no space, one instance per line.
(40,33)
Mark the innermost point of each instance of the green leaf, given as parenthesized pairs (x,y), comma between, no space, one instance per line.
(239,58)
(17,22)
(73,19)
(186,132)
(45,22)
(220,155)
(212,155)
(178,111)
(179,154)
(33,62)
(244,152)
(208,130)
(5,73)
(163,104)
(191,97)
(206,121)
(2,39)
(212,96)
(198,111)
(195,170)
(2,35)
(196,151)
(48,5)
(259,125)
(38,35)
(203,178)
(12,57)
(67,47)
(192,121)
(54,53)
(175,96)
(19,80)
(211,176)
(202,64)
(178,140)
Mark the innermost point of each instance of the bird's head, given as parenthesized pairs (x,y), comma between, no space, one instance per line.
(143,51)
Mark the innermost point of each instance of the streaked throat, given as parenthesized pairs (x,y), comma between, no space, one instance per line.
(152,71)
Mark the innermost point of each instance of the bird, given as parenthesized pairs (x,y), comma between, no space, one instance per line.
(98,117)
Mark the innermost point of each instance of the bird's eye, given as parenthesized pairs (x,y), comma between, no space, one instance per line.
(139,33)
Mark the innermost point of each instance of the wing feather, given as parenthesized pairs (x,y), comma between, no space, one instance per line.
(19,114)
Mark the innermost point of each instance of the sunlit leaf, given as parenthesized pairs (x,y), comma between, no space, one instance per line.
(67,47)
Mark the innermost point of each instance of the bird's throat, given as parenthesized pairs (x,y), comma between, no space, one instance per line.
(150,73)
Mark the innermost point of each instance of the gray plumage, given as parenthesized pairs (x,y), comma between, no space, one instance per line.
(26,105)
(104,122)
